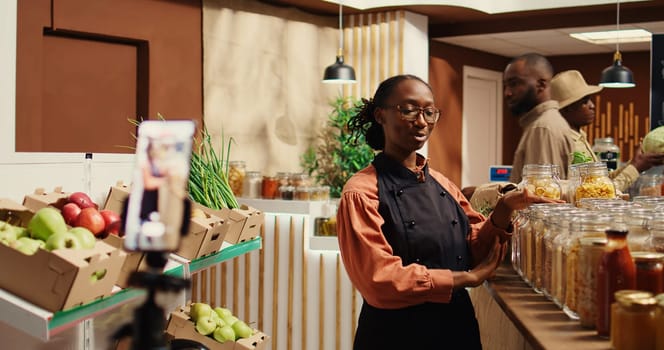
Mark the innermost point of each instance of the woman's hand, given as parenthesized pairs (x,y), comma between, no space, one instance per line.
(483,270)
(515,200)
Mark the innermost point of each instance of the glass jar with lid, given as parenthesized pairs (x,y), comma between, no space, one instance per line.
(655,241)
(561,224)
(617,312)
(582,226)
(649,271)
(636,221)
(540,180)
(634,322)
(650,184)
(590,254)
(269,187)
(595,182)
(607,152)
(237,170)
(540,213)
(300,179)
(519,240)
(252,186)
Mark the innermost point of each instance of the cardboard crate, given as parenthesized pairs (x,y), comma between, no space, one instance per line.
(245,223)
(181,327)
(205,235)
(14,213)
(40,199)
(135,261)
(60,279)
(116,196)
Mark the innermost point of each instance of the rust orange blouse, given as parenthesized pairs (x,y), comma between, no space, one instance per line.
(379,275)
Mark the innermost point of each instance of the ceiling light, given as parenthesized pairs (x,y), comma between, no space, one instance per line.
(339,72)
(611,36)
(617,75)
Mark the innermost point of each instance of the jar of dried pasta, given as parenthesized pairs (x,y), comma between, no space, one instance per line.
(595,182)
(540,179)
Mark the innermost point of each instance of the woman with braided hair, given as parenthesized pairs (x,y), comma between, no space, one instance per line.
(409,240)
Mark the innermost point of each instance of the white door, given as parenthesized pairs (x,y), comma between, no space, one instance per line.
(482,128)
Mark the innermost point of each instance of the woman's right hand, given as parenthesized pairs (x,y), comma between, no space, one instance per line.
(483,270)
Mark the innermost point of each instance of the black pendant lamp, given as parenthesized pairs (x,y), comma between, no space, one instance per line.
(617,75)
(339,72)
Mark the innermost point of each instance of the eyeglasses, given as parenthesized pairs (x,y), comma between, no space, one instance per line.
(410,113)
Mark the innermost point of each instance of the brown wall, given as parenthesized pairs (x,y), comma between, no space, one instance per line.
(446,79)
(622,113)
(85,67)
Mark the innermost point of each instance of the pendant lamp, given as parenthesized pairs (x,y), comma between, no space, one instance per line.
(339,72)
(617,75)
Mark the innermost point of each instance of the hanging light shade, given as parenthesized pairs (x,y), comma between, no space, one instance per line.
(617,75)
(339,72)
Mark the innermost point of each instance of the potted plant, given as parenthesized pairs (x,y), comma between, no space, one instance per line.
(335,156)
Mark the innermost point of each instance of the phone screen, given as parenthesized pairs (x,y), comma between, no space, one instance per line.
(156,210)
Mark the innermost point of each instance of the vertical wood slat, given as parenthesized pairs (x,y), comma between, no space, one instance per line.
(204,285)
(291,258)
(275,284)
(392,40)
(402,25)
(305,284)
(247,287)
(213,286)
(321,303)
(236,287)
(194,287)
(337,314)
(224,285)
(384,46)
(261,283)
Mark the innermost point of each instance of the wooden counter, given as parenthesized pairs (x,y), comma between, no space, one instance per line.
(513,316)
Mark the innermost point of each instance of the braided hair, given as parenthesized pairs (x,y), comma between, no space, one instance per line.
(364,122)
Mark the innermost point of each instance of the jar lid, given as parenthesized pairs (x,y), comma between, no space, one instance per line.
(636,303)
(647,256)
(593,241)
(631,293)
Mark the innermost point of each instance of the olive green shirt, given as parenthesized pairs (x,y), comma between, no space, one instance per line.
(622,177)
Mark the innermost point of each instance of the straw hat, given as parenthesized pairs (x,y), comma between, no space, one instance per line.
(569,86)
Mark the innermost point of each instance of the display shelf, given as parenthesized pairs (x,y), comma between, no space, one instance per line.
(43,324)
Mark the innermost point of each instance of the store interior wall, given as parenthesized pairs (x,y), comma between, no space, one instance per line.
(446,69)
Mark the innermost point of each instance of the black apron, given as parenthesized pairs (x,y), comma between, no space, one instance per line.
(423,225)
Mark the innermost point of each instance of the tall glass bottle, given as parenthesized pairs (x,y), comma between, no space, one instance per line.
(616,271)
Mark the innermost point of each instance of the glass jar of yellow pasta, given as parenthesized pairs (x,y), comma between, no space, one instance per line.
(540,180)
(237,170)
(595,182)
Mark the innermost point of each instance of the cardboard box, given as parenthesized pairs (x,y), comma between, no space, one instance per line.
(181,327)
(245,223)
(116,196)
(14,213)
(40,199)
(205,235)
(135,261)
(60,279)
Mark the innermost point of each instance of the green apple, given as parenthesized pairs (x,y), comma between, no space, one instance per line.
(7,233)
(199,309)
(28,246)
(63,240)
(97,275)
(85,236)
(230,320)
(205,325)
(224,334)
(223,312)
(220,321)
(242,330)
(21,232)
(46,222)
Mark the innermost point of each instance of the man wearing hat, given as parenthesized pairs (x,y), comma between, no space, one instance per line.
(575,99)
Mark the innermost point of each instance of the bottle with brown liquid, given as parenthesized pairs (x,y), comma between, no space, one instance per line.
(616,271)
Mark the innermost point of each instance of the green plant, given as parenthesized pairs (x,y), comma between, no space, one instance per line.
(335,156)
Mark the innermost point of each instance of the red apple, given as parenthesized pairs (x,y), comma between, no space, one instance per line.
(82,200)
(91,219)
(112,222)
(70,212)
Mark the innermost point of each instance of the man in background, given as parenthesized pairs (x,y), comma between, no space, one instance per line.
(526,89)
